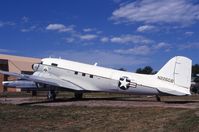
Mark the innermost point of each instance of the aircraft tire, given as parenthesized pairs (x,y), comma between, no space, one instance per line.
(51,95)
(158,98)
(78,95)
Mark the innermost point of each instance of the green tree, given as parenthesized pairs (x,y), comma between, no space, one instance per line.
(122,69)
(139,70)
(145,70)
(195,70)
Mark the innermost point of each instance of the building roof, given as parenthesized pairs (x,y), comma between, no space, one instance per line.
(19,58)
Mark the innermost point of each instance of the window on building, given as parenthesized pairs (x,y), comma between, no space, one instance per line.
(4,65)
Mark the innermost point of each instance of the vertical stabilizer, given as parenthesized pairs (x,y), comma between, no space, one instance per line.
(177,71)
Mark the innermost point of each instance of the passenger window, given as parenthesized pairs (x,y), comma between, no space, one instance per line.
(76,73)
(83,74)
(53,64)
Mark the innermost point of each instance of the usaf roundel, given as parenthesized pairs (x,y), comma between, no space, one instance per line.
(124,83)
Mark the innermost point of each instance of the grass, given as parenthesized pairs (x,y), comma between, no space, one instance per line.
(74,119)
(40,118)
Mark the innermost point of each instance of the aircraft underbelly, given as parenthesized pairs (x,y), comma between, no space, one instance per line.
(137,90)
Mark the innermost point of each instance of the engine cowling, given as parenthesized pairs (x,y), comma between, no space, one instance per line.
(35,67)
(19,84)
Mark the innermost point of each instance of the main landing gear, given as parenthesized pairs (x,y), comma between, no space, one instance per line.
(158,98)
(51,95)
(78,96)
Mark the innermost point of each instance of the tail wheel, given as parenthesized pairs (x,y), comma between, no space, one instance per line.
(158,98)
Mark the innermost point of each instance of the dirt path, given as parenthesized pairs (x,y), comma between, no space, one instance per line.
(101,102)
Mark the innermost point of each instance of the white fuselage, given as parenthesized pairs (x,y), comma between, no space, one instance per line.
(174,78)
(95,78)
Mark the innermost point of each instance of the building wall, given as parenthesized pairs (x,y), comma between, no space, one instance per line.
(1,79)
(4,67)
(15,64)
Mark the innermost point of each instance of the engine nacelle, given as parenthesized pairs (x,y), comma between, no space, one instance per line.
(23,84)
(35,67)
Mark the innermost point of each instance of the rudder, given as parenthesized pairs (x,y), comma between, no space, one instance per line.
(177,71)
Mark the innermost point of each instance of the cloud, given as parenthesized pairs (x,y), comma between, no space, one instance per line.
(29,29)
(79,38)
(189,46)
(73,35)
(88,37)
(144,50)
(138,50)
(87,30)
(59,28)
(189,33)
(2,24)
(25,19)
(157,11)
(162,45)
(70,39)
(94,30)
(104,39)
(126,39)
(146,28)
(103,58)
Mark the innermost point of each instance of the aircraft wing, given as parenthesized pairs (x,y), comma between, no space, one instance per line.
(46,78)
(11,74)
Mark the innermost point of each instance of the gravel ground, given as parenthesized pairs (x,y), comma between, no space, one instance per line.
(102,102)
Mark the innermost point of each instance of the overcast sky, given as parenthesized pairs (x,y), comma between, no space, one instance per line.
(114,33)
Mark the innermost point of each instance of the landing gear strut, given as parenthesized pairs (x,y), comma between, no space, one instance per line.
(34,93)
(158,98)
(78,95)
(51,95)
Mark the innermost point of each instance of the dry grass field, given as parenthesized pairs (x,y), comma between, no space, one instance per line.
(83,118)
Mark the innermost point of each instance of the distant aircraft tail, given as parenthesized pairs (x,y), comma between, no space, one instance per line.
(175,76)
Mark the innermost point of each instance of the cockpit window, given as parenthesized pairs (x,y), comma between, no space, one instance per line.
(54,64)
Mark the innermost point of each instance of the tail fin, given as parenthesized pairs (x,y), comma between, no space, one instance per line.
(177,71)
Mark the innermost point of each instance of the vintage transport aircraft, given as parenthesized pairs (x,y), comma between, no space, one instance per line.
(54,74)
